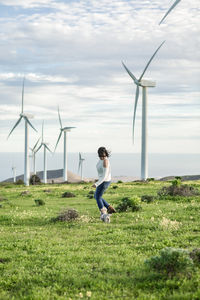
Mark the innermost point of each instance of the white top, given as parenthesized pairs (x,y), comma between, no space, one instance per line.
(104,174)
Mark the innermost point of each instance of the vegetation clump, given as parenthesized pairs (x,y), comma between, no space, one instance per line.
(119,181)
(129,204)
(19,182)
(147,198)
(178,189)
(170,261)
(67,215)
(39,202)
(24,193)
(68,195)
(35,180)
(47,191)
(115,187)
(195,255)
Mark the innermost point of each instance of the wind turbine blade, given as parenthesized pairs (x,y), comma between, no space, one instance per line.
(23,96)
(129,72)
(58,140)
(59,117)
(38,148)
(172,7)
(79,166)
(36,145)
(135,108)
(47,148)
(29,123)
(151,60)
(15,126)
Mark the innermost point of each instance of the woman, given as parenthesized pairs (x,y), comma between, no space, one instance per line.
(104,174)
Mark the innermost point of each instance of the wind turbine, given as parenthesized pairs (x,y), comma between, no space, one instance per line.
(170,9)
(14,173)
(65,130)
(44,144)
(144,84)
(26,118)
(80,165)
(33,150)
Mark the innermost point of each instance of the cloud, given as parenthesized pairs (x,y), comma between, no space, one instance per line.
(71,52)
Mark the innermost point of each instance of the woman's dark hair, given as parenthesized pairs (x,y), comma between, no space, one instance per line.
(103,151)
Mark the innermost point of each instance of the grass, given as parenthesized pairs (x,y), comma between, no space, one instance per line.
(41,259)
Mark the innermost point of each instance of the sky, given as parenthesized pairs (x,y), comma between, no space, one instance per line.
(70,53)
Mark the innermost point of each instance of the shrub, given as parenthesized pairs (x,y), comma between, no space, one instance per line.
(115,187)
(129,204)
(177,189)
(39,202)
(91,193)
(35,180)
(170,261)
(3,199)
(195,255)
(24,193)
(67,215)
(119,181)
(19,182)
(47,191)
(150,179)
(68,195)
(147,198)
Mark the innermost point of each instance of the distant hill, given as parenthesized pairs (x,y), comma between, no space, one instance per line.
(183,178)
(53,175)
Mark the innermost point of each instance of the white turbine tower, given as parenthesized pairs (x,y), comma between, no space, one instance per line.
(170,9)
(26,118)
(44,144)
(80,165)
(14,173)
(33,150)
(65,130)
(144,84)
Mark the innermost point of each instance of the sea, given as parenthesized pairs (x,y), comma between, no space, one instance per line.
(123,164)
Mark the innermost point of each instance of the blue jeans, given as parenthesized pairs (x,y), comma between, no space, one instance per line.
(99,193)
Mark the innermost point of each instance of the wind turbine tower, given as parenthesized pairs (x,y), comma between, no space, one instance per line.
(44,144)
(64,130)
(26,118)
(33,150)
(144,84)
(80,165)
(14,173)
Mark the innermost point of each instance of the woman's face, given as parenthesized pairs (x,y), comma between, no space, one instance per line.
(102,156)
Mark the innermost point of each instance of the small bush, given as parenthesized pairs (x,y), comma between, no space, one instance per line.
(25,193)
(35,180)
(115,187)
(129,204)
(195,255)
(68,195)
(47,191)
(67,215)
(150,179)
(170,261)
(3,199)
(147,198)
(19,182)
(39,202)
(91,193)
(177,189)
(119,181)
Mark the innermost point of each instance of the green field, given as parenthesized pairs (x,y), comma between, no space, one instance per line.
(89,259)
